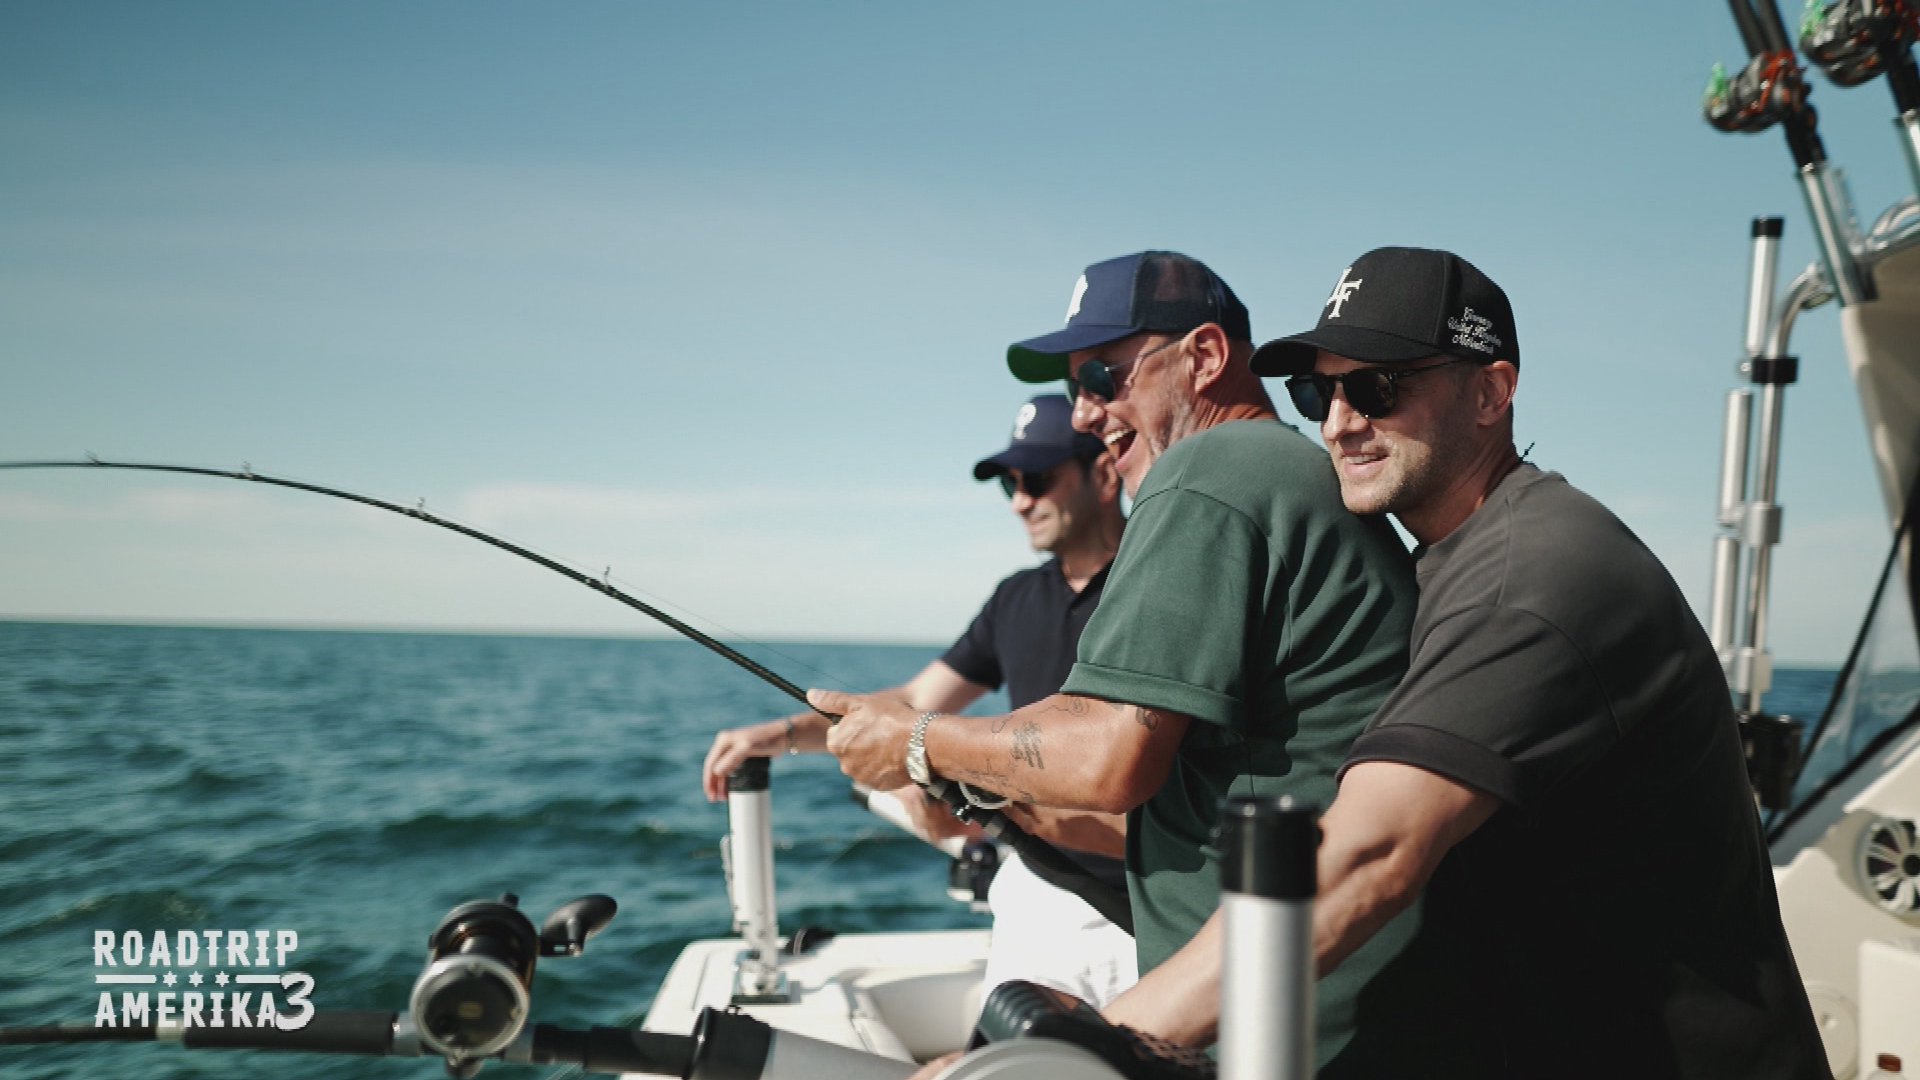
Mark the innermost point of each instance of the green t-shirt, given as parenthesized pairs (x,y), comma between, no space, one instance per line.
(1246,596)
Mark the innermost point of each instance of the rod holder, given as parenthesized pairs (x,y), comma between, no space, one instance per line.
(748,856)
(1836,230)
(1725,606)
(1267,883)
(1908,125)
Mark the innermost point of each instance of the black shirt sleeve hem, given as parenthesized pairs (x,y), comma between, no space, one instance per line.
(1441,752)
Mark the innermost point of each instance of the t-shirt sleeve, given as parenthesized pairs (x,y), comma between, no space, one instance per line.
(974,655)
(1497,699)
(1182,601)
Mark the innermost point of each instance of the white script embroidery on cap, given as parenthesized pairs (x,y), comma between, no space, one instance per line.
(1342,292)
(1474,331)
(1027,413)
(1079,290)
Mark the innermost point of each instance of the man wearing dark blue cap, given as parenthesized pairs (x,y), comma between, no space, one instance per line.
(1065,491)
(1558,780)
(1250,627)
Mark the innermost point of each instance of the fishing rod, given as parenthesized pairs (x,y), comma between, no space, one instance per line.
(1855,41)
(420,513)
(1041,856)
(1771,89)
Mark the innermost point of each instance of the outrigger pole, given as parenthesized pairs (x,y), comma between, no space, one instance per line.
(1041,856)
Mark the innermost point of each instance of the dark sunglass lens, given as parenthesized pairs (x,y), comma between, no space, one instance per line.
(1371,393)
(1095,379)
(1007,485)
(1308,397)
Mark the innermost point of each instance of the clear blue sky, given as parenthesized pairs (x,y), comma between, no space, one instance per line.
(719,294)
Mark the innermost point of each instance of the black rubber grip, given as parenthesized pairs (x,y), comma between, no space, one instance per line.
(750,776)
(614,1050)
(1268,847)
(340,1031)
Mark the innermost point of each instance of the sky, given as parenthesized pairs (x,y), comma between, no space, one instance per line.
(716,297)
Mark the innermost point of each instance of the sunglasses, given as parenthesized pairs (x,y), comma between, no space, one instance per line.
(1372,392)
(1034,484)
(1095,377)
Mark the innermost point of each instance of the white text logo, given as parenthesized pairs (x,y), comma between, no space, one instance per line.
(1342,292)
(1079,290)
(162,952)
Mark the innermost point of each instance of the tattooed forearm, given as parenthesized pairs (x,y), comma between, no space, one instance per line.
(1066,703)
(1147,718)
(1026,745)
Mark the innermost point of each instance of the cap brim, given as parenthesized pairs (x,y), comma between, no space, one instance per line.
(1044,359)
(1028,459)
(1294,355)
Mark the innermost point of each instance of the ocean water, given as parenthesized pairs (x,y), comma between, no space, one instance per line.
(355,787)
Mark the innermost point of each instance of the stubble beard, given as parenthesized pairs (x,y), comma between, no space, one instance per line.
(1416,474)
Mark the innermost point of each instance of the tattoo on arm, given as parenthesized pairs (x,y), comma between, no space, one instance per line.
(1026,745)
(1147,718)
(1000,723)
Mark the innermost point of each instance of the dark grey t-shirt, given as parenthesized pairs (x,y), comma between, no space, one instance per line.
(1617,916)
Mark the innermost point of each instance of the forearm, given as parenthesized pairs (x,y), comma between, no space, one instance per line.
(1085,830)
(1180,1000)
(1065,751)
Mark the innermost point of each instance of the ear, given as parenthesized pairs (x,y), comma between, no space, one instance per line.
(1211,351)
(1494,392)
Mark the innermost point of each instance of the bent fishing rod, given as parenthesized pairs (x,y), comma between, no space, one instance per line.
(420,513)
(1041,856)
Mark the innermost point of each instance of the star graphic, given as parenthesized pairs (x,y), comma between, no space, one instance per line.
(221,978)
(194,978)
(169,980)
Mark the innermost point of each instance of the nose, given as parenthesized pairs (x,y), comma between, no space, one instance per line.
(1022,502)
(1087,413)
(1342,418)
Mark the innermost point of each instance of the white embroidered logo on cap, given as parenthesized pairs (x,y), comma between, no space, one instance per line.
(1079,290)
(1474,331)
(1342,292)
(1027,413)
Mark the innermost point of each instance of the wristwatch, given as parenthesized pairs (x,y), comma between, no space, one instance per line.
(917,769)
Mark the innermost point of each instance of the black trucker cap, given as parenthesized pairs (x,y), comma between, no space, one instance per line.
(1162,291)
(1043,437)
(1397,304)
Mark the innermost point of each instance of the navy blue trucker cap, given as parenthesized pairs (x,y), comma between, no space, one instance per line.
(1043,437)
(1161,291)
(1397,304)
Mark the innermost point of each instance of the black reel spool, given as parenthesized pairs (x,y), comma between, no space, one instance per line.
(473,999)
(1854,40)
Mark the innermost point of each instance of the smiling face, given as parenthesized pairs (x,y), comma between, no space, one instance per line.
(1405,461)
(1071,502)
(1151,408)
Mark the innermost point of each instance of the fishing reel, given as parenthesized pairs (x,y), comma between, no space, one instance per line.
(1772,88)
(1854,40)
(474,997)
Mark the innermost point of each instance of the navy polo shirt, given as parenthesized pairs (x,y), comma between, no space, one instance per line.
(1027,638)
(1028,634)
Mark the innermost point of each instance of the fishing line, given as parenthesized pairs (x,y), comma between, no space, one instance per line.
(419,512)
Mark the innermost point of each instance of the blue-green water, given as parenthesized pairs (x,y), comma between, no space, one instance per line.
(354,787)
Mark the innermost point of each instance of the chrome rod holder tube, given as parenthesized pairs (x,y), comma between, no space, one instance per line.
(749,860)
(1268,879)
(1753,666)
(1908,125)
(1724,611)
(1831,209)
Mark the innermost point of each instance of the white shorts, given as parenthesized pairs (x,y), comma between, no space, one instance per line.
(1045,934)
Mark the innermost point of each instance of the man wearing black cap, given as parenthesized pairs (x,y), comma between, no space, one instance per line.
(1560,771)
(1066,492)
(1249,628)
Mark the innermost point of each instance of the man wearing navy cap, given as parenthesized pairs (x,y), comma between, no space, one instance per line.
(1250,626)
(1066,492)
(1559,774)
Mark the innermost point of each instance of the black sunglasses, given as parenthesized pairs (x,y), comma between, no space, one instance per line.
(1034,484)
(1095,377)
(1371,391)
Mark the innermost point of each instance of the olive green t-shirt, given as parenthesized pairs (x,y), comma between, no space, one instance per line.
(1246,596)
